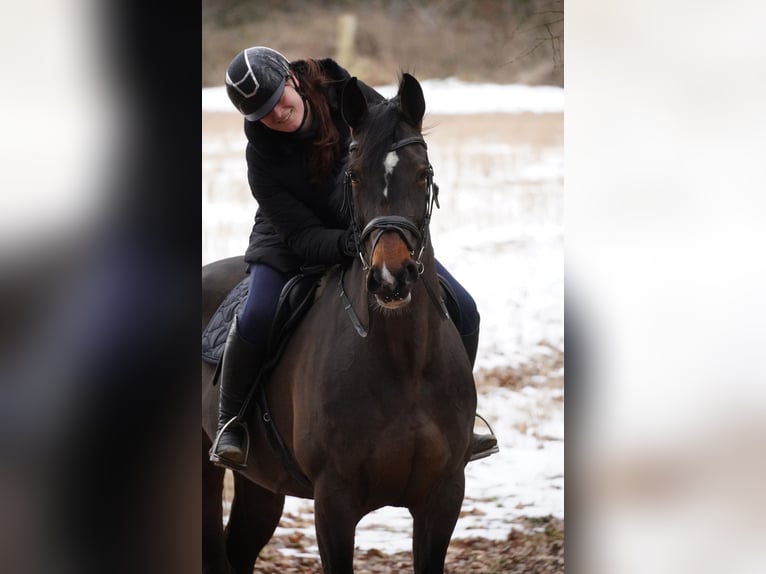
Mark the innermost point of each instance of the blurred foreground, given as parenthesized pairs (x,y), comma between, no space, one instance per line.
(99,293)
(664,134)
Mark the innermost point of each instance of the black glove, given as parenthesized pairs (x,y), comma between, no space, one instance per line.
(347,243)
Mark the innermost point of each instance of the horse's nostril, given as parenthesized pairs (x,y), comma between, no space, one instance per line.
(411,272)
(374,280)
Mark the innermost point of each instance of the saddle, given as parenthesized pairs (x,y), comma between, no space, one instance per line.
(294,301)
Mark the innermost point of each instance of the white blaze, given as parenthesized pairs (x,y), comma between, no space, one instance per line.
(388,279)
(389,164)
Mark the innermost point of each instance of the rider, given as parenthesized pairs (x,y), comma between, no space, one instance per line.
(297,142)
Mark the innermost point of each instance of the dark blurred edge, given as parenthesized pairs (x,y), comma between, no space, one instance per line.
(577,364)
(99,404)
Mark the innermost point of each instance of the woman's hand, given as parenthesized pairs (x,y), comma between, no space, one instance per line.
(347,243)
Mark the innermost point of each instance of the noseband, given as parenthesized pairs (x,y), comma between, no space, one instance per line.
(401,225)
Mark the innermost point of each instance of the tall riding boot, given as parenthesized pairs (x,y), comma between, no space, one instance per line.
(240,365)
(482,445)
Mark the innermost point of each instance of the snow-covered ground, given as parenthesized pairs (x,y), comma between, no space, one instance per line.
(448,96)
(500,233)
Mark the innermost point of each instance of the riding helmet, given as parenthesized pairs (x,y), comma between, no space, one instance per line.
(255,80)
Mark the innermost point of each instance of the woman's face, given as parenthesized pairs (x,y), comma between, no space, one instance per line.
(287,114)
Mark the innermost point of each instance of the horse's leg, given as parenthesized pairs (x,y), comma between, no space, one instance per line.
(434,523)
(213,553)
(335,518)
(254,516)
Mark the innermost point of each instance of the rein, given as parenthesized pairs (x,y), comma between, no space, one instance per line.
(357,322)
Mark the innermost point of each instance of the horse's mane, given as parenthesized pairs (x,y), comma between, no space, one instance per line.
(376,134)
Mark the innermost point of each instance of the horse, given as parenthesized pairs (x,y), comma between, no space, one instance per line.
(373,397)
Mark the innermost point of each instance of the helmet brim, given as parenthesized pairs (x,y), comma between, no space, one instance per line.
(268,105)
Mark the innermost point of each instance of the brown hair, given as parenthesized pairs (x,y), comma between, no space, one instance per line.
(325,149)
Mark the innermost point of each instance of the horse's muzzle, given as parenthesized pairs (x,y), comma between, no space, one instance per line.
(393,272)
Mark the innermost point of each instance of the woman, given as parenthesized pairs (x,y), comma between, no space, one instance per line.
(297,143)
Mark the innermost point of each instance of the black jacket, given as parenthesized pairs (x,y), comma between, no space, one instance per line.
(297,222)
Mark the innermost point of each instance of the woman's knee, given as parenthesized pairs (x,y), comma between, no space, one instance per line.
(469,313)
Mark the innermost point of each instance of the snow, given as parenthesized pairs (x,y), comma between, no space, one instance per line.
(448,96)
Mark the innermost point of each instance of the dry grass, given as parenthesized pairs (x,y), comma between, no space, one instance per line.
(428,44)
(536,548)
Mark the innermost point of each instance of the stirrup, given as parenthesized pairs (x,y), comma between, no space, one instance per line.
(490,451)
(223,462)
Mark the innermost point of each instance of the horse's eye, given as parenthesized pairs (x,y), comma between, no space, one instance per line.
(353,176)
(422,176)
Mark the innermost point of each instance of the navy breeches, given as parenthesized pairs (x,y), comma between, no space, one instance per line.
(469,314)
(257,313)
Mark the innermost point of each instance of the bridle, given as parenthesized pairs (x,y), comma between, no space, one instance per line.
(398,223)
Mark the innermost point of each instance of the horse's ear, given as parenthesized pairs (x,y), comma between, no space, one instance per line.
(353,106)
(413,102)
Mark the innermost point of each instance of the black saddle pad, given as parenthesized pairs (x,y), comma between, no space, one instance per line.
(217,329)
(295,299)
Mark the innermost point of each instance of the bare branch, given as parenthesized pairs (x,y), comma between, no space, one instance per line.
(528,52)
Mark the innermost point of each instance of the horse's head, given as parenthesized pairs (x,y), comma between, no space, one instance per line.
(389,185)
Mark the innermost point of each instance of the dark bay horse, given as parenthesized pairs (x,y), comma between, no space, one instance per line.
(374,395)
